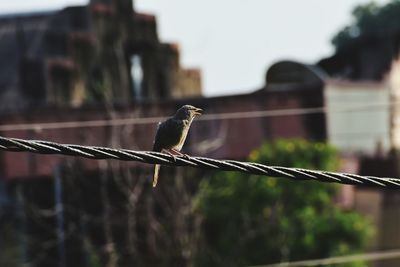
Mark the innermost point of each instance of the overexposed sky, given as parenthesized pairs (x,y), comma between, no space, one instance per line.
(234,41)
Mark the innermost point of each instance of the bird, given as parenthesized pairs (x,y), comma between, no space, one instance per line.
(171,134)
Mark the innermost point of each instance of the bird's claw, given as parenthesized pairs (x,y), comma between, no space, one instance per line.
(172,155)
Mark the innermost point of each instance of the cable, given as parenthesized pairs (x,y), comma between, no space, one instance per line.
(373,256)
(206,117)
(94,152)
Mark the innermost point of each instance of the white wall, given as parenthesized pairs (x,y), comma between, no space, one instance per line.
(394,83)
(358,115)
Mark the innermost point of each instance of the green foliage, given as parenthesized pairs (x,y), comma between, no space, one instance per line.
(370,19)
(248,219)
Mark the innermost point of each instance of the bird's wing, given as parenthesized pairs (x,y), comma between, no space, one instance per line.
(168,134)
(157,145)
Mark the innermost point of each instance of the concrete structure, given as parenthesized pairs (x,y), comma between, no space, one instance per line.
(358,116)
(363,116)
(104,51)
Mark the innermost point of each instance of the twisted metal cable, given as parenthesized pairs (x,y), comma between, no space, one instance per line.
(95,152)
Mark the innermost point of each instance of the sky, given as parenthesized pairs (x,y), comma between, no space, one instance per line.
(234,42)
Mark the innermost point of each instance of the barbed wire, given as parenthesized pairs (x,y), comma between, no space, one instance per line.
(150,157)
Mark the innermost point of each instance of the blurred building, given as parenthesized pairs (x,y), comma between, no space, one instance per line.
(365,78)
(358,116)
(361,118)
(366,72)
(218,136)
(105,62)
(83,54)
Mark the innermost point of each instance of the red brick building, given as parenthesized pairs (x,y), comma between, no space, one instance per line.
(102,63)
(222,133)
(104,51)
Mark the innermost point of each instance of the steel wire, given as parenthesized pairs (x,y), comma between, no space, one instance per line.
(150,157)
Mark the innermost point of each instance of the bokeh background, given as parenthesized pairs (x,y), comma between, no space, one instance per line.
(308,84)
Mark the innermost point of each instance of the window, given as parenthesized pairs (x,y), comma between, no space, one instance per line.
(136,76)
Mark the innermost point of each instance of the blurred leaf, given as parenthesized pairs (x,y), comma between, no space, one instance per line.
(249,219)
(370,19)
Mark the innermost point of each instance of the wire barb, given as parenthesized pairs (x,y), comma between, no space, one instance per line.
(150,157)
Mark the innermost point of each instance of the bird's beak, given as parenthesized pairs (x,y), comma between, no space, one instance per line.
(198,111)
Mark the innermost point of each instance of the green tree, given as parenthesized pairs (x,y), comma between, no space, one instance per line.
(370,19)
(249,219)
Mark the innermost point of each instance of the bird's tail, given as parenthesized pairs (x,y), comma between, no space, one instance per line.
(155,176)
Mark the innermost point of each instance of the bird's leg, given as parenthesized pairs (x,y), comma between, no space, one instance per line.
(180,153)
(169,152)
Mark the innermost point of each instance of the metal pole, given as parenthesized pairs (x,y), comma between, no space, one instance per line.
(59,208)
(21,217)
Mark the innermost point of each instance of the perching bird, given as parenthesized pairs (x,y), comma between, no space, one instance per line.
(171,134)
